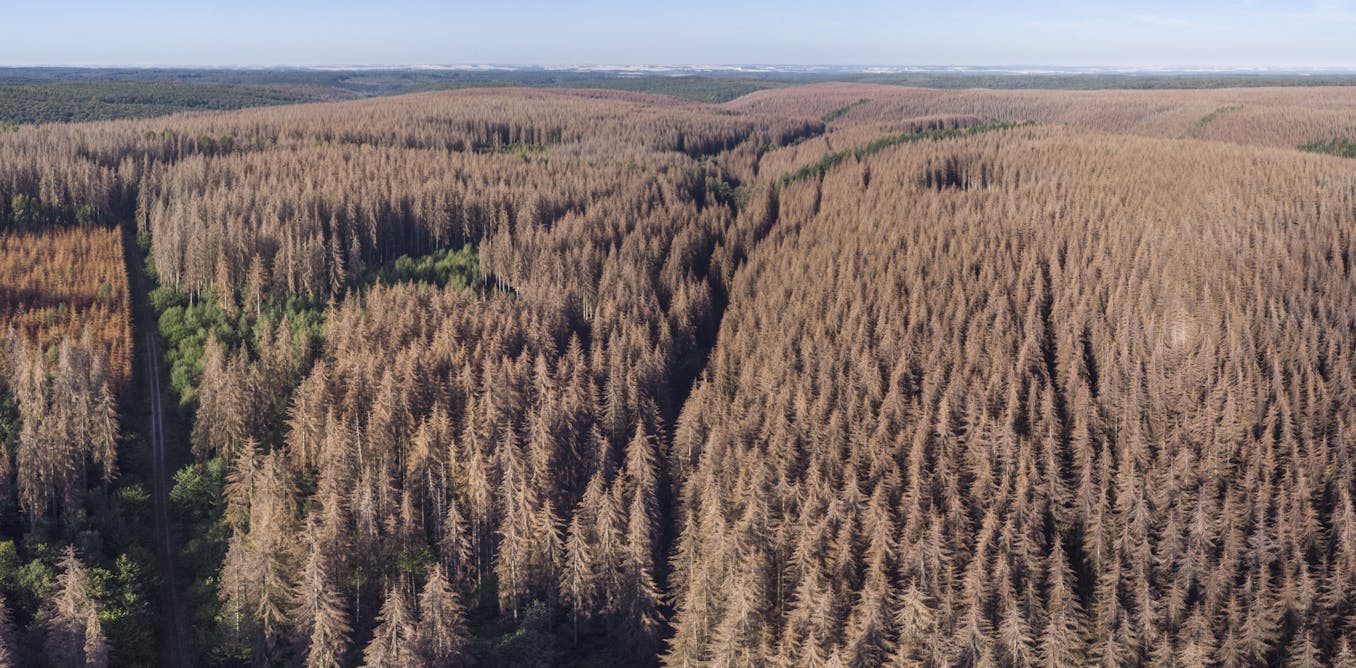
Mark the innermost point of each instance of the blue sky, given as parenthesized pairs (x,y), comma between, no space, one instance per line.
(1319,33)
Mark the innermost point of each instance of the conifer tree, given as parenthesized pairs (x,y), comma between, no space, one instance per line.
(75,635)
(440,636)
(394,640)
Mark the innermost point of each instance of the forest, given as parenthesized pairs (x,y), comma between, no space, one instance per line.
(839,374)
(32,102)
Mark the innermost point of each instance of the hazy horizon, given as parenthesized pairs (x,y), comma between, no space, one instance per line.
(1314,34)
(716,68)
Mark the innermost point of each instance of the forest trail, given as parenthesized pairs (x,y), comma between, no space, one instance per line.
(174,635)
(172,610)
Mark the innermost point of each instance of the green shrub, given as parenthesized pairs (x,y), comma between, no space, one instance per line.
(1338,147)
(459,269)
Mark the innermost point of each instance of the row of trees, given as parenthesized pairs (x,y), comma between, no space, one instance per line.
(64,361)
(69,419)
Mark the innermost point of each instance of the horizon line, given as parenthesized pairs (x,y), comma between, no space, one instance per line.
(751,67)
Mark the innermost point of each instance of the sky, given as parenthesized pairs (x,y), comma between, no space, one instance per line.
(1156,33)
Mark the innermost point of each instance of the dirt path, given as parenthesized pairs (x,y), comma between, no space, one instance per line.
(174,619)
(172,614)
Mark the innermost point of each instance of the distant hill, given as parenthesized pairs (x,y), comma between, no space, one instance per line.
(66,101)
(65,94)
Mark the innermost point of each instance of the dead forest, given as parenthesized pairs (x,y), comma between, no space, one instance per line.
(828,375)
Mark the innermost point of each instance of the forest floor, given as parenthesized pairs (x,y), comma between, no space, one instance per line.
(148,381)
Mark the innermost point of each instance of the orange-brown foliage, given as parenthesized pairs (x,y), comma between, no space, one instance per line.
(1033,395)
(1286,117)
(60,283)
(1066,393)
